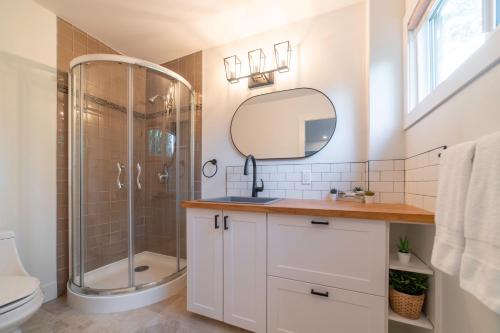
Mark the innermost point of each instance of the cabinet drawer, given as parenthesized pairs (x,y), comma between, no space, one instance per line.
(293,308)
(336,252)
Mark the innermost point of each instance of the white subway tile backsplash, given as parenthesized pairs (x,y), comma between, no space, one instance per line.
(285,168)
(358,167)
(311,195)
(341,167)
(431,172)
(320,185)
(316,177)
(399,187)
(351,176)
(413,180)
(233,177)
(285,186)
(429,203)
(330,176)
(294,176)
(399,165)
(278,177)
(374,176)
(300,186)
(269,169)
(422,160)
(392,197)
(271,185)
(382,186)
(381,165)
(277,193)
(293,194)
(302,167)
(398,176)
(320,168)
(233,192)
(434,156)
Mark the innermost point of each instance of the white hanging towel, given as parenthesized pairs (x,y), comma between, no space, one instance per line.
(454,176)
(480,270)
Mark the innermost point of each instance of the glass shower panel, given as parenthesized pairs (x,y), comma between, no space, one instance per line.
(75,181)
(104,175)
(155,136)
(132,150)
(185,155)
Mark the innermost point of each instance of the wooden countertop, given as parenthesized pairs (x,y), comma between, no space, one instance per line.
(377,211)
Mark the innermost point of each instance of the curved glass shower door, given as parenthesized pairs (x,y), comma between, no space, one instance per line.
(131,165)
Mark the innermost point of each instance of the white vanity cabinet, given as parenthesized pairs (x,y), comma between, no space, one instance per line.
(336,252)
(226,253)
(268,272)
(301,307)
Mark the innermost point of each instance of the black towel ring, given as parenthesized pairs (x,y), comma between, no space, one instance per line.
(213,162)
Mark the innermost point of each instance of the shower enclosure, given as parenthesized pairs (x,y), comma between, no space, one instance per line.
(131,164)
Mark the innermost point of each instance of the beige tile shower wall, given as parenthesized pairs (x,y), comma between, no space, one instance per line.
(191,68)
(71,42)
(422,175)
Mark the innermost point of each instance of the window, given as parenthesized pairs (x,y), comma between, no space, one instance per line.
(446,34)
(497,14)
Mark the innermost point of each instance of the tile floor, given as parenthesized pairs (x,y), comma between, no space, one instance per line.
(169,316)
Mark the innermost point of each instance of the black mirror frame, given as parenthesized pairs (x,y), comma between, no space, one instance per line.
(284,158)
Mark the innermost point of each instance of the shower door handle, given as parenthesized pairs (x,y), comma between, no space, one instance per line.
(120,167)
(138,179)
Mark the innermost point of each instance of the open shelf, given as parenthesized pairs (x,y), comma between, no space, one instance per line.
(423,321)
(416,265)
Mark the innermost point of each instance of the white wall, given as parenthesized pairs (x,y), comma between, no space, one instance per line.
(385,81)
(329,54)
(28,135)
(471,113)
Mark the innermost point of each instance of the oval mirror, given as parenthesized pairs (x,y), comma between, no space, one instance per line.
(292,123)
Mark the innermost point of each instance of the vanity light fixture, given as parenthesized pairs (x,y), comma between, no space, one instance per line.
(283,52)
(259,76)
(233,68)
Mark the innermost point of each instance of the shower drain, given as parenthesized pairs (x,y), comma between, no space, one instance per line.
(141,268)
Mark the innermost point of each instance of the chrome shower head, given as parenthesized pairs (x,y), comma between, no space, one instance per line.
(153,99)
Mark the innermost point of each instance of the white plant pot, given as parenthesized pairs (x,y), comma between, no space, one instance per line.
(333,197)
(404,258)
(369,199)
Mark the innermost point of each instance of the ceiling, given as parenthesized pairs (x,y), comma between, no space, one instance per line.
(162,30)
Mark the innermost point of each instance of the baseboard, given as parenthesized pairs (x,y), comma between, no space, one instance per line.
(49,291)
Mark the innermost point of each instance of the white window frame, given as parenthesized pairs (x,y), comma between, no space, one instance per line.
(482,60)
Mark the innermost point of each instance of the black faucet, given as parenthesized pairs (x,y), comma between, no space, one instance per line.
(255,189)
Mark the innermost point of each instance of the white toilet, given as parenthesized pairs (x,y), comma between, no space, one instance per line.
(20,294)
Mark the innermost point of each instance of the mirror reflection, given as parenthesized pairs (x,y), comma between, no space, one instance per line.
(285,124)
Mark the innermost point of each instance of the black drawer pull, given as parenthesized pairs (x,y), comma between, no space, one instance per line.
(320,222)
(318,293)
(216,221)
(225,223)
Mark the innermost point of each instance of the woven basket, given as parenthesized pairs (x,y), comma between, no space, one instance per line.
(405,305)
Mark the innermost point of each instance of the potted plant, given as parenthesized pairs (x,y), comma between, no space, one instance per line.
(358,190)
(407,293)
(369,196)
(334,194)
(404,251)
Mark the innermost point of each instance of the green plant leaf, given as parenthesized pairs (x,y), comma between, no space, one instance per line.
(408,282)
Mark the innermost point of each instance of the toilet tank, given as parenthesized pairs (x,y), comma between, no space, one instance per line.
(10,263)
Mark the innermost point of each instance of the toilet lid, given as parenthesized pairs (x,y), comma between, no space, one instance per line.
(16,287)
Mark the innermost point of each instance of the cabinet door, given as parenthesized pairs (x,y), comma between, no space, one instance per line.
(245,270)
(205,262)
(300,307)
(336,252)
